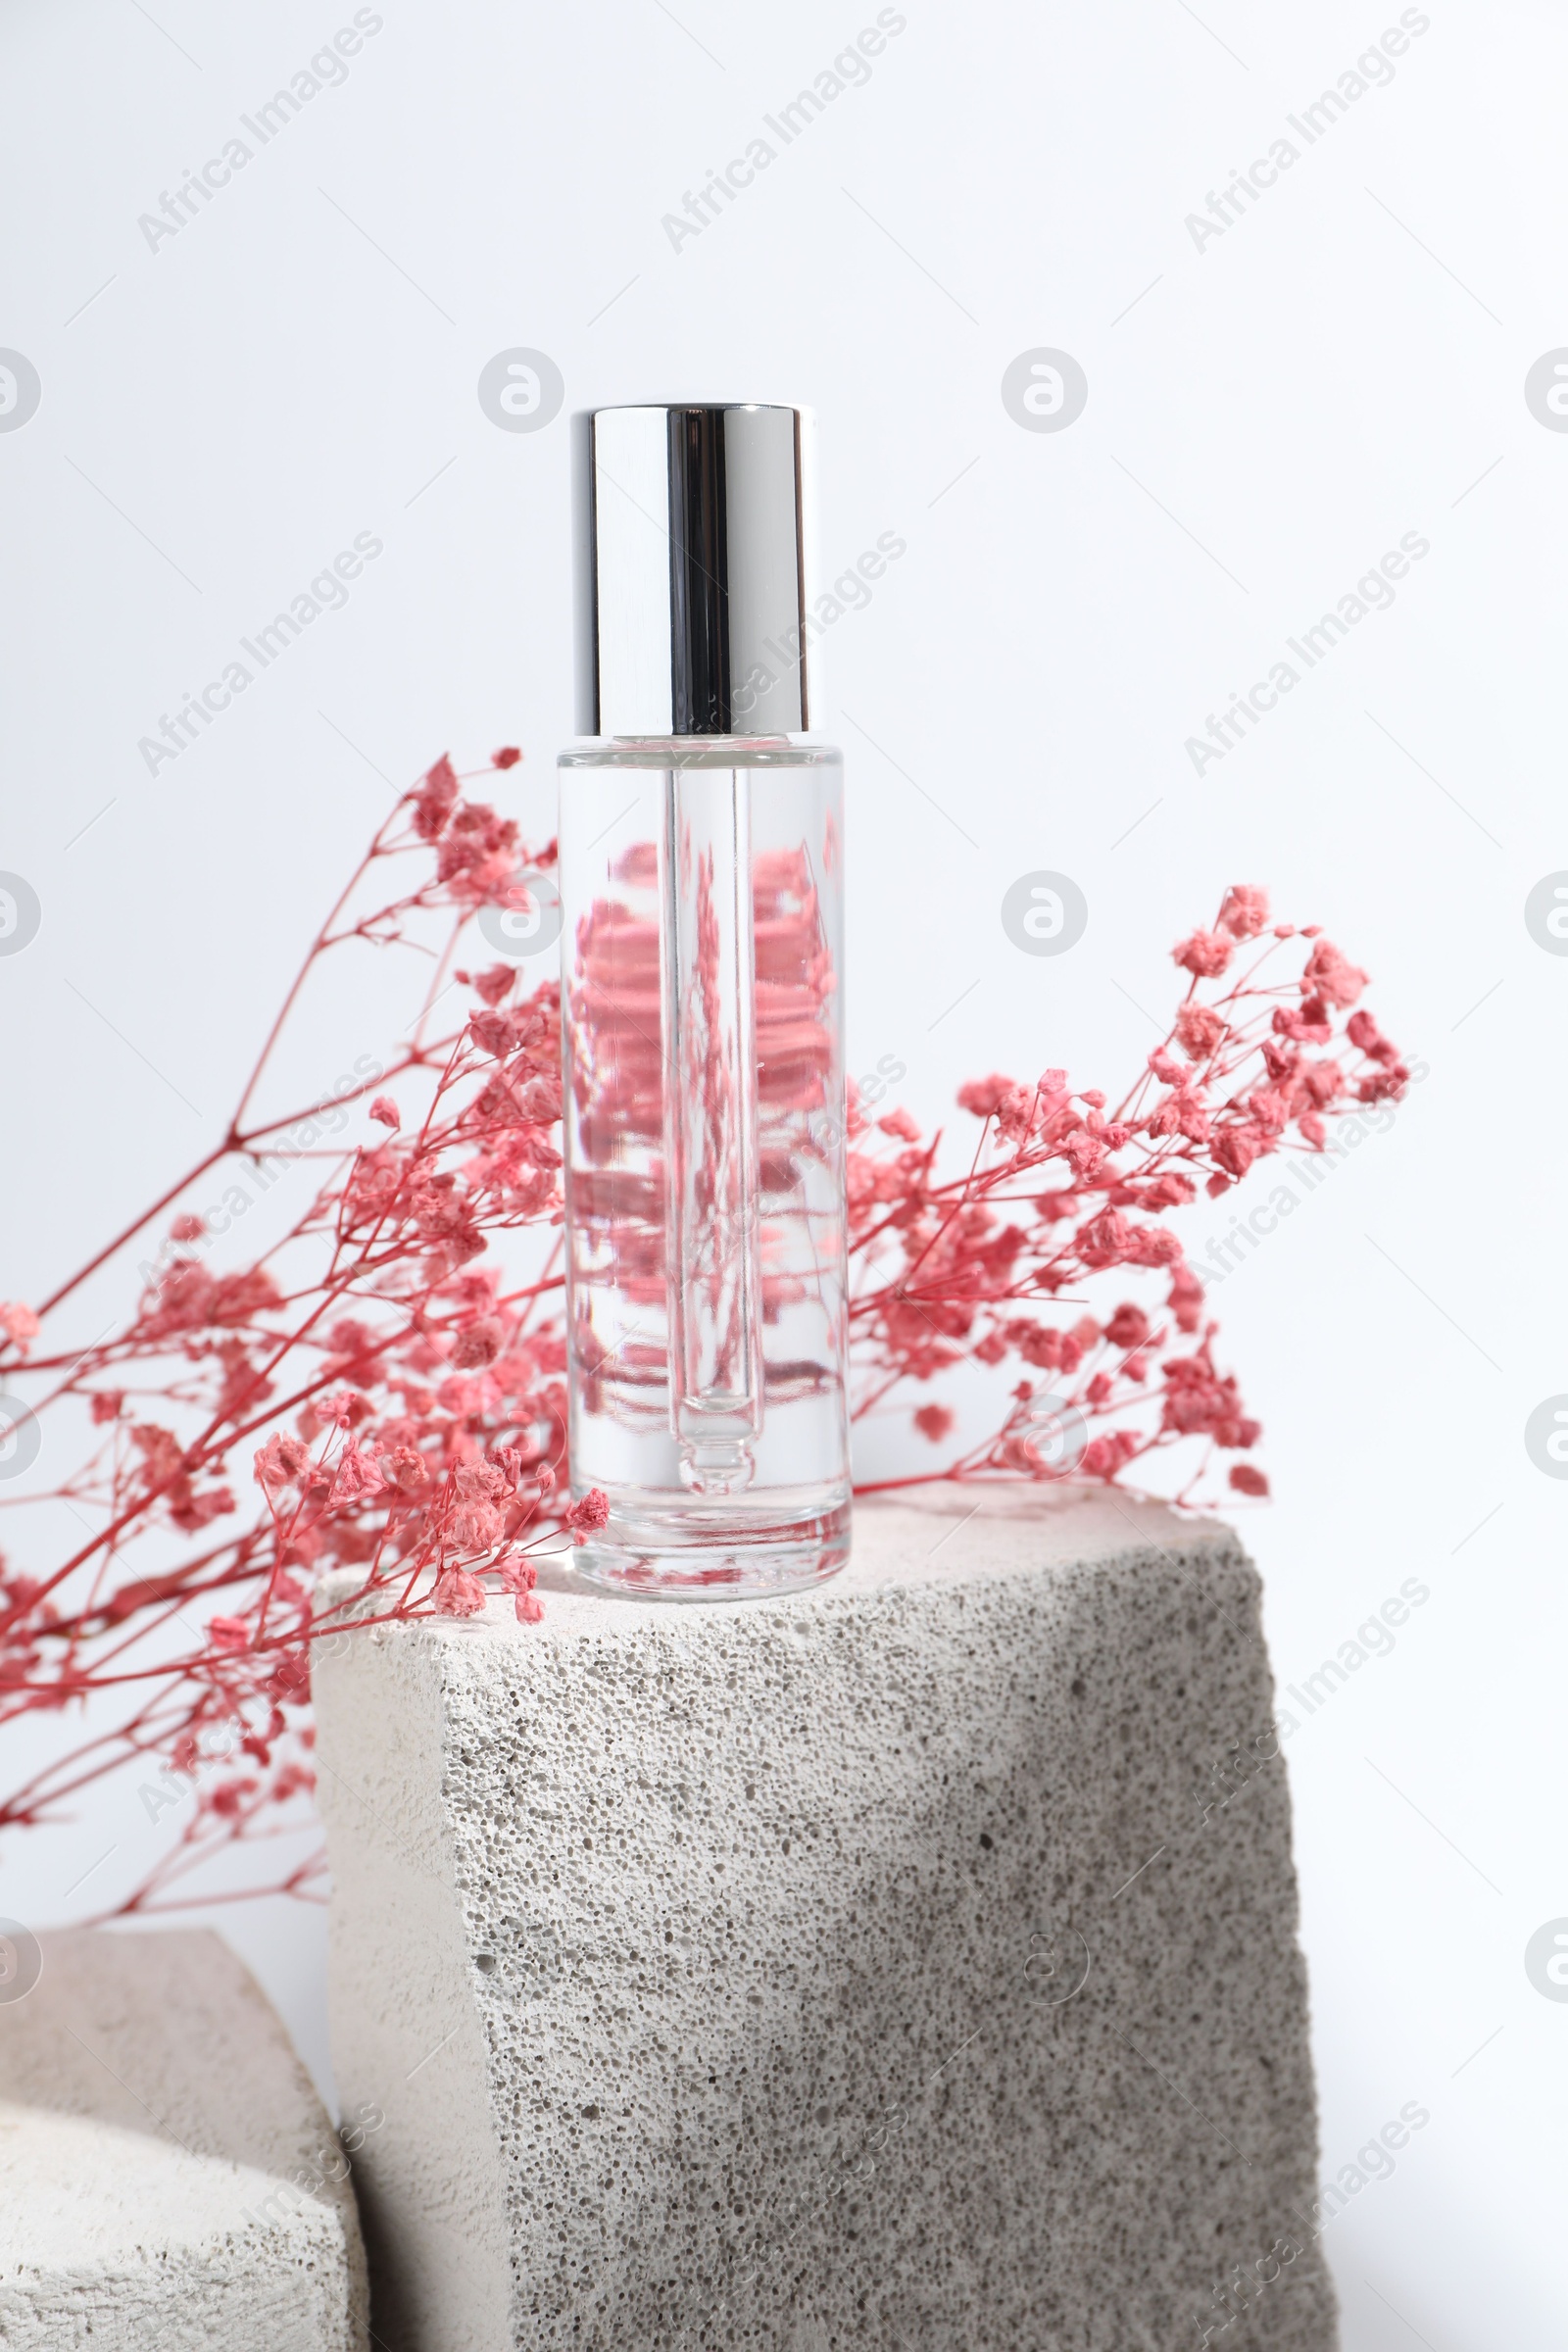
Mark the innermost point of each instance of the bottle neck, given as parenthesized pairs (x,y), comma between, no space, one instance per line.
(680,753)
(705,743)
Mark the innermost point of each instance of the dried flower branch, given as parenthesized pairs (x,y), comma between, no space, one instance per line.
(976,1267)
(387,1379)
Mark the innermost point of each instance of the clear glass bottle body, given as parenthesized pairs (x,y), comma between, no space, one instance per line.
(702,1017)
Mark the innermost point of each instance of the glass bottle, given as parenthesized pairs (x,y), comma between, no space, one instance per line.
(701,943)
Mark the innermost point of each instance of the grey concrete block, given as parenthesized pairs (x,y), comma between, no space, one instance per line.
(154,2122)
(897,1962)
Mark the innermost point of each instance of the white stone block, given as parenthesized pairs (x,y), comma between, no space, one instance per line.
(154,2121)
(909,1962)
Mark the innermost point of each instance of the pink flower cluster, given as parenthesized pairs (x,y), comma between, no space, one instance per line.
(1063,1192)
(386,1381)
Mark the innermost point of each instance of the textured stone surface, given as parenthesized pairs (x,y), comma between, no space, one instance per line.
(888,1964)
(152,2117)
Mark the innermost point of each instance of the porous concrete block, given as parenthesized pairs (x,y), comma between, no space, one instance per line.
(893,1964)
(155,2124)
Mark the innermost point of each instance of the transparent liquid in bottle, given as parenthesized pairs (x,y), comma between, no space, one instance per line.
(702,902)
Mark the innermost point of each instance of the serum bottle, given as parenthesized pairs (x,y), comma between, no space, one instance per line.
(702,947)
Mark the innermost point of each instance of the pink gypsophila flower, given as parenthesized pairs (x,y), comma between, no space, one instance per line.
(1331,977)
(986,1095)
(1245,912)
(435,800)
(20,1323)
(1363,1030)
(359,1476)
(589,1513)
(457,1594)
(280,1461)
(934,1421)
(1199,1029)
(1205,953)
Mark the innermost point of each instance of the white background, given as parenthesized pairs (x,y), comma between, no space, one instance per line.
(1343,365)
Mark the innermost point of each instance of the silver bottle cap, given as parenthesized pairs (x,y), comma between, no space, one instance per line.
(690,570)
